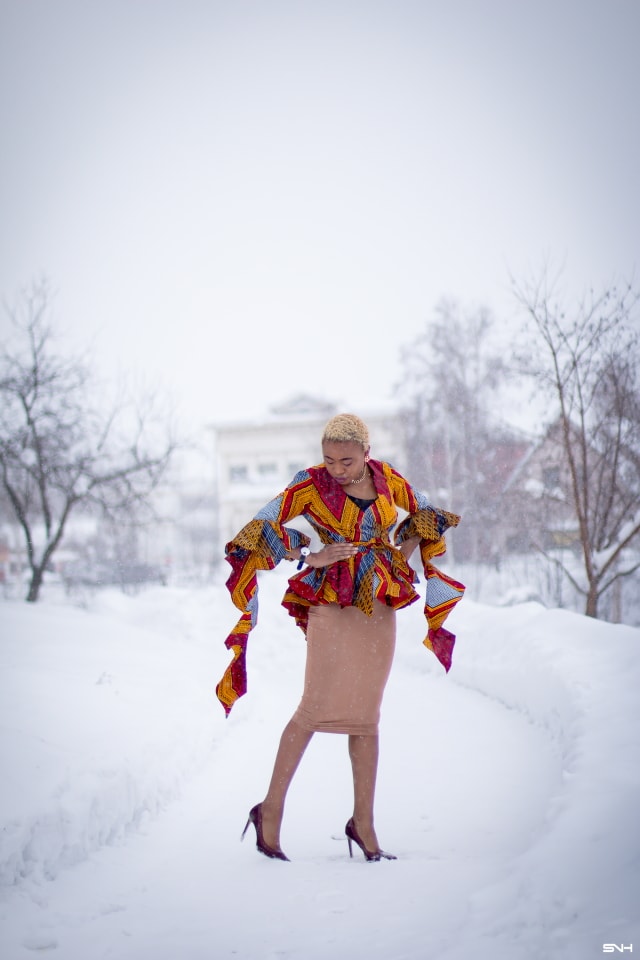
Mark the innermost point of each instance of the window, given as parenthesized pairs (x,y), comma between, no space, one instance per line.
(238,473)
(551,478)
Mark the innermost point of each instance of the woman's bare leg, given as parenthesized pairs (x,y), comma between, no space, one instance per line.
(363,752)
(293,743)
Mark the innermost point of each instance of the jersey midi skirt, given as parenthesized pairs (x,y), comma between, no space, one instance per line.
(349,657)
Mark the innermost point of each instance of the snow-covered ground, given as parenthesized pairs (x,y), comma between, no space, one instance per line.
(509,789)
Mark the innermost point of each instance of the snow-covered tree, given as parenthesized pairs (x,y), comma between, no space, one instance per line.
(58,450)
(586,360)
(456,448)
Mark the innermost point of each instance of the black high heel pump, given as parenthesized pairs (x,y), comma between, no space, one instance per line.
(352,835)
(255,817)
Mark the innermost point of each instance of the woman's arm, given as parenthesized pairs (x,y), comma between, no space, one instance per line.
(407,547)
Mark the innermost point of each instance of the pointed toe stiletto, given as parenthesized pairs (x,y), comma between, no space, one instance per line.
(255,817)
(371,855)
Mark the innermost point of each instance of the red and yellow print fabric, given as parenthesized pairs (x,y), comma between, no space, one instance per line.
(378,572)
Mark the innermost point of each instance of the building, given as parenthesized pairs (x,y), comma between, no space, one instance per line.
(256,459)
(538,499)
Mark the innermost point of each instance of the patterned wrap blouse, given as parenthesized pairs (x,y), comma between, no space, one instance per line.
(377,572)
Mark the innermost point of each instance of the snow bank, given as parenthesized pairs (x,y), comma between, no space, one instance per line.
(516,829)
(101,721)
(576,885)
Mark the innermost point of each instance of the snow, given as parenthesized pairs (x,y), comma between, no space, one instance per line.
(509,789)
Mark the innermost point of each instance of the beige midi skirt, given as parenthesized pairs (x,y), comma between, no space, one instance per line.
(349,657)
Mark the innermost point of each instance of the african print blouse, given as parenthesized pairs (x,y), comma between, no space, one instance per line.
(377,572)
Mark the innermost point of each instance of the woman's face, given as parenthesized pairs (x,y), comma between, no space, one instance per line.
(344,459)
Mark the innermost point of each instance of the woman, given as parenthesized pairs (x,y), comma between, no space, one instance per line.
(345,601)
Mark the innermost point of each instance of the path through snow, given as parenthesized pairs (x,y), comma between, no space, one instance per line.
(509,791)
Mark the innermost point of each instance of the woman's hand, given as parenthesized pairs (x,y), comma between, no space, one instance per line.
(331,553)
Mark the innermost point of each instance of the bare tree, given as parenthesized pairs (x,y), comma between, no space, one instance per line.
(450,376)
(58,450)
(588,361)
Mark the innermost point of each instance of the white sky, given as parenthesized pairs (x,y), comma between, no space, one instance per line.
(241,200)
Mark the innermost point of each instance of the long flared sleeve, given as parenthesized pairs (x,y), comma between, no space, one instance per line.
(442,592)
(260,545)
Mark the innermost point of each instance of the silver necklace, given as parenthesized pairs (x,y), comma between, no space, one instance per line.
(360,479)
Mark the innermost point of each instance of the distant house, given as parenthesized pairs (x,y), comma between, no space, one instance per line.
(538,498)
(255,459)
(476,486)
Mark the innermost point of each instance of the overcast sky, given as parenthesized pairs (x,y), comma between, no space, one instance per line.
(243,200)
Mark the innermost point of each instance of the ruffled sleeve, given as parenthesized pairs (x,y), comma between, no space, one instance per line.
(260,545)
(442,592)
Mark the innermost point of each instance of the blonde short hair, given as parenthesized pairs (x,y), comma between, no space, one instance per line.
(346,427)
